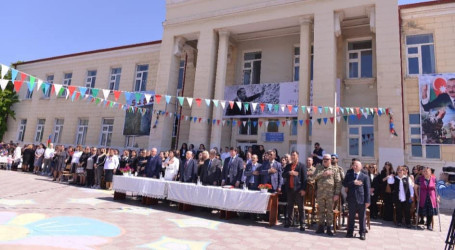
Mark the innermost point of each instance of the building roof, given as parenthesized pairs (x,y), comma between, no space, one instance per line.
(423,4)
(90,52)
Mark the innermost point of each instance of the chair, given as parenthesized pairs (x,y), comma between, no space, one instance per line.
(336,214)
(67,171)
(309,204)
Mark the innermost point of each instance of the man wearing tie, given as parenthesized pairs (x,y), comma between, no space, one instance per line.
(251,173)
(271,172)
(188,171)
(211,170)
(295,175)
(358,198)
(153,168)
(232,169)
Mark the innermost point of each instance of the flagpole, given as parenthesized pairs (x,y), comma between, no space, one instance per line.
(335,126)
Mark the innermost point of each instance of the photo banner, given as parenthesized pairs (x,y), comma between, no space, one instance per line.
(437,109)
(272,95)
(136,123)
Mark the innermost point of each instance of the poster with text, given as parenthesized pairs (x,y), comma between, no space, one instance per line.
(437,108)
(267,93)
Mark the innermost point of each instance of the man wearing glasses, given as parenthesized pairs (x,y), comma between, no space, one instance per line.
(328,184)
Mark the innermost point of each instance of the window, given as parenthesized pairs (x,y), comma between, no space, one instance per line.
(248,128)
(181,74)
(39,130)
(417,149)
(296,63)
(294,127)
(81,132)
(141,77)
(90,81)
(58,130)
(360,59)
(130,141)
(21,130)
(50,80)
(361,136)
(252,68)
(420,54)
(106,132)
(66,82)
(273,127)
(114,80)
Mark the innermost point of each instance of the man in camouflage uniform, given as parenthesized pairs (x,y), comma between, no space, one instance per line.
(343,194)
(328,181)
(310,169)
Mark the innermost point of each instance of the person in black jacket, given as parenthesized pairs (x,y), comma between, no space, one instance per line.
(295,174)
(358,198)
(403,193)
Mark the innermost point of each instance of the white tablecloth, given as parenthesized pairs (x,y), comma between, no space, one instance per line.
(3,159)
(236,200)
(147,187)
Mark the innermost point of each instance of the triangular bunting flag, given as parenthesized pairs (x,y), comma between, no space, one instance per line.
(17,85)
(207,102)
(3,83)
(39,82)
(320,109)
(32,83)
(116,95)
(331,110)
(157,99)
(198,101)
(57,88)
(260,123)
(239,104)
(338,119)
(73,96)
(5,70)
(326,109)
(315,109)
(331,119)
(106,93)
(82,90)
(266,124)
(180,98)
(255,123)
(262,105)
(215,102)
(342,110)
(301,123)
(223,104)
(14,74)
(223,122)
(168,98)
(319,121)
(30,86)
(71,90)
(288,122)
(270,107)
(290,107)
(325,120)
(77,95)
(127,96)
(231,104)
(308,109)
(95,92)
(303,109)
(148,96)
(282,106)
(244,123)
(137,96)
(307,121)
(246,105)
(190,101)
(254,105)
(277,108)
(23,76)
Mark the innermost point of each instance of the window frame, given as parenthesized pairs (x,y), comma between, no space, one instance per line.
(90,81)
(114,84)
(423,147)
(65,84)
(419,53)
(143,82)
(108,132)
(39,132)
(21,130)
(359,137)
(82,133)
(251,67)
(58,130)
(47,95)
(358,60)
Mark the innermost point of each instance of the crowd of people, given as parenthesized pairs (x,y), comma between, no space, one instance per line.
(390,194)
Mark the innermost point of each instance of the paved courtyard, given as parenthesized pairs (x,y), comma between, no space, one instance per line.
(38,213)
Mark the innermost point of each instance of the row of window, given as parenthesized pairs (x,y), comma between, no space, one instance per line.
(140,80)
(107,127)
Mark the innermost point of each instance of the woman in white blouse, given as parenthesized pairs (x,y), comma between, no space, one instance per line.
(75,162)
(171,165)
(110,165)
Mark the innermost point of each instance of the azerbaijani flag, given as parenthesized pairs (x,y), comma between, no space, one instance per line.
(49,141)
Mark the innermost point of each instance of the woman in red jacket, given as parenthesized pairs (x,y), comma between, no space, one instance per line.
(425,188)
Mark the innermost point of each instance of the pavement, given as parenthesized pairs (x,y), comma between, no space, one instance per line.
(36,213)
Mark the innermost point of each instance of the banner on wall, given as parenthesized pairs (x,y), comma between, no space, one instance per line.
(271,94)
(137,123)
(437,108)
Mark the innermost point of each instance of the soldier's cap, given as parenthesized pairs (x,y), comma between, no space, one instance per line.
(334,155)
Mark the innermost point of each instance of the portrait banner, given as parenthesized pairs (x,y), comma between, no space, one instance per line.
(136,123)
(273,95)
(437,109)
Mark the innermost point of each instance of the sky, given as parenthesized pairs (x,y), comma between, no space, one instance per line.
(46,28)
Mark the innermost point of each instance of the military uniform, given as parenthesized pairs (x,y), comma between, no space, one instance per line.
(328,186)
(310,173)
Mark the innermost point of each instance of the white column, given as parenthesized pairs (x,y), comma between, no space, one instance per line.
(304,83)
(203,87)
(324,80)
(220,83)
(167,80)
(389,82)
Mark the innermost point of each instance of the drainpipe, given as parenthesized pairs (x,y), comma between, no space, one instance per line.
(402,78)
(181,93)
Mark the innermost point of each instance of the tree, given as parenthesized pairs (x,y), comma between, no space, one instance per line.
(8,98)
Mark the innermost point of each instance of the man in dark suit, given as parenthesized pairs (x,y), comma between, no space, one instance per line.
(443,99)
(153,167)
(242,97)
(271,172)
(295,175)
(358,198)
(211,170)
(232,169)
(188,170)
(251,173)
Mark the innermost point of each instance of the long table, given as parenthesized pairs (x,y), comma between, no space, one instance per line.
(225,199)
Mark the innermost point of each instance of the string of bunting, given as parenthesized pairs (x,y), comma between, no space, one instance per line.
(91,94)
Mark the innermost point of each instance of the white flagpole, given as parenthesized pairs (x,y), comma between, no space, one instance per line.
(335,126)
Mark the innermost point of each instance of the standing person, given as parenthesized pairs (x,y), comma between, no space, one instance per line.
(62,158)
(328,189)
(225,154)
(261,153)
(295,174)
(154,165)
(142,160)
(188,171)
(271,172)
(425,188)
(334,162)
(75,162)
(403,193)
(133,161)
(27,157)
(232,169)
(251,173)
(183,150)
(211,170)
(310,169)
(47,161)
(375,181)
(200,150)
(171,166)
(386,191)
(124,161)
(17,156)
(318,152)
(99,167)
(39,155)
(358,185)
(82,172)
(110,165)
(90,163)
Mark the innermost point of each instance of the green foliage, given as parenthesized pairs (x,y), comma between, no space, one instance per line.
(8,98)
